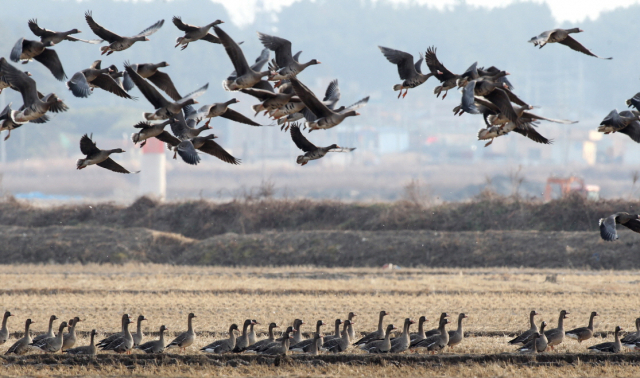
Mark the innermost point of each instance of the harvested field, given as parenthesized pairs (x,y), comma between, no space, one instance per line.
(496,300)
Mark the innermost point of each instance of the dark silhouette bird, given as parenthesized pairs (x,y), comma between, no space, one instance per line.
(625,122)
(55,37)
(99,157)
(562,36)
(117,42)
(447,79)
(311,151)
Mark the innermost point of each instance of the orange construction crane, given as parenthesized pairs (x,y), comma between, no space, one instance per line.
(571,184)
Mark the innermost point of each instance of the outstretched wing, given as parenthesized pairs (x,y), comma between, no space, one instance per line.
(403,60)
(577,46)
(212,148)
(187,152)
(437,69)
(163,81)
(608,228)
(112,166)
(531,133)
(310,100)
(280,46)
(299,139)
(100,31)
(633,225)
(87,146)
(150,30)
(233,115)
(49,58)
(177,21)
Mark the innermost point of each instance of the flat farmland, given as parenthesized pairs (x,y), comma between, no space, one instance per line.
(497,302)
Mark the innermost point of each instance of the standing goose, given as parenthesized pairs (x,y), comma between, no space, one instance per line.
(242,342)
(326,118)
(50,332)
(245,76)
(116,42)
(609,347)
(380,346)
(306,345)
(583,333)
(626,122)
(456,337)
(409,72)
(314,347)
(339,344)
(4,331)
(108,340)
(221,109)
(297,334)
(259,344)
(336,332)
(286,66)
(148,131)
(151,72)
(51,344)
(99,157)
(402,342)
(281,346)
(562,36)
(311,151)
(436,331)
(193,33)
(21,346)
(526,335)
(82,83)
(607,225)
(137,337)
(164,108)
(124,343)
(351,329)
(447,79)
(415,337)
(225,345)
(631,339)
(556,336)
(252,333)
(185,339)
(25,50)
(35,106)
(154,346)
(375,335)
(438,342)
(536,343)
(89,350)
(69,338)
(55,37)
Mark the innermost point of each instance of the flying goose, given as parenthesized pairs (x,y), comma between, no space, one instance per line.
(609,347)
(257,66)
(164,108)
(51,344)
(583,333)
(24,50)
(34,104)
(148,130)
(7,121)
(154,346)
(99,157)
(4,331)
(193,33)
(21,346)
(151,72)
(269,100)
(409,72)
(223,346)
(297,110)
(634,101)
(82,83)
(525,336)
(245,76)
(55,37)
(326,118)
(556,336)
(311,151)
(116,42)
(286,66)
(607,225)
(185,339)
(447,79)
(562,36)
(221,109)
(626,122)
(89,350)
(375,335)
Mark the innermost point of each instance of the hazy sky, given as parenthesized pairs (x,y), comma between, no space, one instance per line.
(242,12)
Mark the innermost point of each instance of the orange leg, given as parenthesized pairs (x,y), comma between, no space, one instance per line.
(405,93)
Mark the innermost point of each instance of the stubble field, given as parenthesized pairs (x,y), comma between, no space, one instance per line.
(497,302)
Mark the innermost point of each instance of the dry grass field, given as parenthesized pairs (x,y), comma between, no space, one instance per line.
(497,302)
